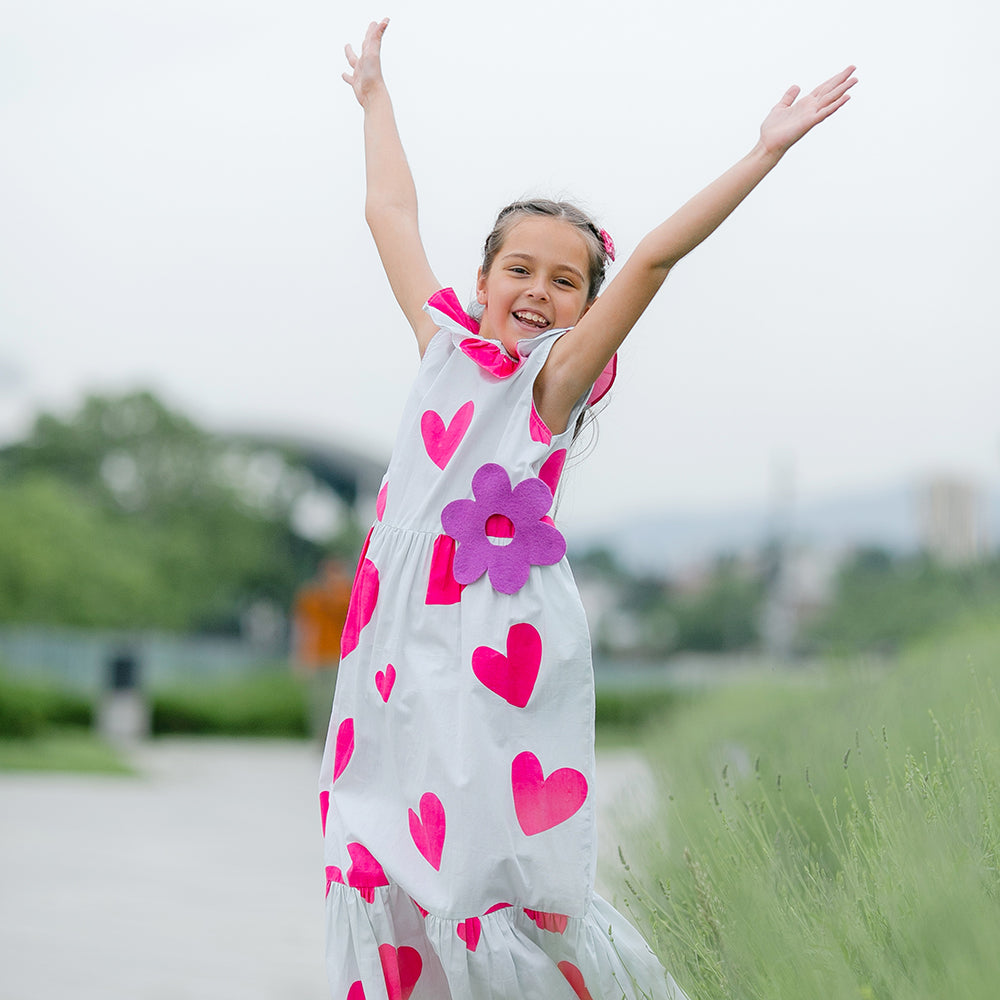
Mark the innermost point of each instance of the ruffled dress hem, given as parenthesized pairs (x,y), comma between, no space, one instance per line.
(510,952)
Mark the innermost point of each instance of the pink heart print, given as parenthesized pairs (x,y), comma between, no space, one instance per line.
(324,808)
(380,502)
(401,968)
(427,829)
(575,978)
(440,441)
(512,676)
(469,931)
(442,587)
(542,803)
(333,874)
(554,922)
(365,872)
(364,595)
(356,992)
(384,680)
(552,468)
(537,427)
(344,747)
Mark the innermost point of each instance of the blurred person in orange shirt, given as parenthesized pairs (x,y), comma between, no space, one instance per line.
(318,616)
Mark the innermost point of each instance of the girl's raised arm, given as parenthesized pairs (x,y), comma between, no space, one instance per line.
(579,357)
(391,198)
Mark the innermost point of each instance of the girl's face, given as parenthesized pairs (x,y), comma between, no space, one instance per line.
(538,281)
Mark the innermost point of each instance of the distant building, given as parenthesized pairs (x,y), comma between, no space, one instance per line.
(951,514)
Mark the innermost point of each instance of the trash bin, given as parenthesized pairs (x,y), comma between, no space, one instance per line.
(123,714)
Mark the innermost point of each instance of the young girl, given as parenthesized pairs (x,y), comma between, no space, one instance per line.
(457,782)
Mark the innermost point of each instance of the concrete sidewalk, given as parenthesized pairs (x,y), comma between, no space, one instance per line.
(199,879)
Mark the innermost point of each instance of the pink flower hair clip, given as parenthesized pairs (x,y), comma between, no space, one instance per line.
(609,245)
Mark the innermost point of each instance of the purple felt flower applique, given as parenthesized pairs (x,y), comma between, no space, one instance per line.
(508,561)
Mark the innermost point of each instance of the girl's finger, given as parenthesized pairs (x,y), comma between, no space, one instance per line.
(347,78)
(375,32)
(834,81)
(352,57)
(838,92)
(826,112)
(788,98)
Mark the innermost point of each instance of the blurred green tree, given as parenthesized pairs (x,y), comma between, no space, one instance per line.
(723,616)
(126,513)
(883,600)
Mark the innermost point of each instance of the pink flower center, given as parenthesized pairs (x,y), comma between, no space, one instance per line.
(499,529)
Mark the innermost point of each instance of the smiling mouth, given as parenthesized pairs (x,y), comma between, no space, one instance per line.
(531,319)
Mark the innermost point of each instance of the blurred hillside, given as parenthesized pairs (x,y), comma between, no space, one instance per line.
(670,542)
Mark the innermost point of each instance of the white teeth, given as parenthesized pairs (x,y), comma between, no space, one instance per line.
(532,317)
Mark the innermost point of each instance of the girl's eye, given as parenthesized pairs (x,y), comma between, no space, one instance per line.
(518,270)
(566,282)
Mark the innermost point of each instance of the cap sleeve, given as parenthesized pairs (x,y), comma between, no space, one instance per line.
(444,308)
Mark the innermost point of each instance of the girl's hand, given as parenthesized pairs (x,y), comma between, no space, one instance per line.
(367,68)
(789,119)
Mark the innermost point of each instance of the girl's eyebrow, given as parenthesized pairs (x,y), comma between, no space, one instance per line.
(528,257)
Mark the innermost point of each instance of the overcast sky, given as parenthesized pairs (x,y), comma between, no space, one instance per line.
(181,208)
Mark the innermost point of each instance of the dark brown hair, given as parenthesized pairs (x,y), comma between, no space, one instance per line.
(515,211)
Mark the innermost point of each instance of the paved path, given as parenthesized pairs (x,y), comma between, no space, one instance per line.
(200,879)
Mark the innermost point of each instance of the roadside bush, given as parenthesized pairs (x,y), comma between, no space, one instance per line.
(21,713)
(27,708)
(271,704)
(628,707)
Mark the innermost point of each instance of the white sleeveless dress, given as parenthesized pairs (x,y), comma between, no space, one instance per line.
(456,785)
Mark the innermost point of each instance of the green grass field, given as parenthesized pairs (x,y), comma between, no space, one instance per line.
(45,728)
(71,750)
(834,835)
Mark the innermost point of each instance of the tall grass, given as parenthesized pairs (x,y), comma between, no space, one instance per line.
(839,838)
